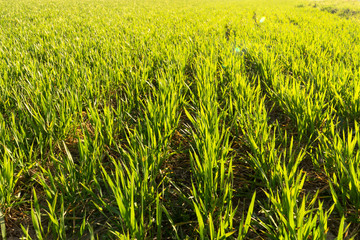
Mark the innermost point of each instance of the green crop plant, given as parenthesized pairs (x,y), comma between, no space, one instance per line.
(179,119)
(210,161)
(288,217)
(340,156)
(306,106)
(7,185)
(137,186)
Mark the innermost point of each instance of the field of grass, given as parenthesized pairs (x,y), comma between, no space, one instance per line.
(234,119)
(349,9)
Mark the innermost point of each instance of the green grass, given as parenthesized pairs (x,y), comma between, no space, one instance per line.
(349,9)
(179,119)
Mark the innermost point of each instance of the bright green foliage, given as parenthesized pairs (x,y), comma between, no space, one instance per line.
(179,119)
(342,155)
(290,218)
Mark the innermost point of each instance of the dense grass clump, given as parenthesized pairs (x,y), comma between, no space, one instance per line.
(179,119)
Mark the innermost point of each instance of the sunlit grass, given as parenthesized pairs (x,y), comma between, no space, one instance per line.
(178,120)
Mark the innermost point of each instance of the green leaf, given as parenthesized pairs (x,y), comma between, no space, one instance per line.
(200,221)
(2,225)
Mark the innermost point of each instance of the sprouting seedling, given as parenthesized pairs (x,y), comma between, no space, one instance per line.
(262,19)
